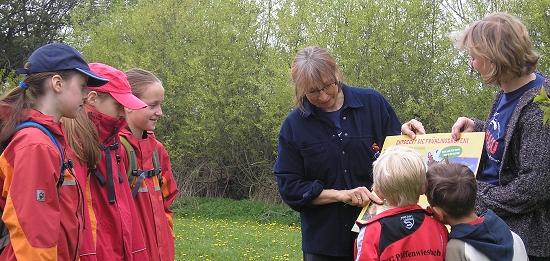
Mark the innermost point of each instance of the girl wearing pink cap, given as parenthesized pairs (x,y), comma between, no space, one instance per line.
(112,230)
(152,182)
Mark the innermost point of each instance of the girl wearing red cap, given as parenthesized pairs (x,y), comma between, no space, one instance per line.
(41,197)
(113,231)
(152,182)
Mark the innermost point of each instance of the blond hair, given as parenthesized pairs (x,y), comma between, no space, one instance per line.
(503,40)
(400,175)
(312,69)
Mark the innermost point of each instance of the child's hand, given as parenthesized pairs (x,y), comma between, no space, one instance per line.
(360,197)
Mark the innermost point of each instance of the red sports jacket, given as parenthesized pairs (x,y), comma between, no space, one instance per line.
(44,221)
(153,201)
(403,233)
(112,230)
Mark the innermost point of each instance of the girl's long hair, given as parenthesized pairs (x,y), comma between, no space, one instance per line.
(16,101)
(82,136)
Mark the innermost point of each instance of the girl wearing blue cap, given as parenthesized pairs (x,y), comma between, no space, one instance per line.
(40,195)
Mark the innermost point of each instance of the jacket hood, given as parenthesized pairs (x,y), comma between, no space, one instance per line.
(492,237)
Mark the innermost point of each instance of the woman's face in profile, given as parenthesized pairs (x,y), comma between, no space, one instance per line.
(481,65)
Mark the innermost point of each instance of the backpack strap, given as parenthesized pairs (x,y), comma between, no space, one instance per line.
(157,170)
(132,158)
(33,124)
(4,233)
(109,169)
(135,176)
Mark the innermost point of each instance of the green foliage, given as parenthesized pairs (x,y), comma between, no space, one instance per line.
(221,208)
(225,67)
(544,103)
(9,82)
(26,25)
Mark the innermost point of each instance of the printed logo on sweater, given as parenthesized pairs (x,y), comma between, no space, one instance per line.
(40,195)
(408,221)
(410,254)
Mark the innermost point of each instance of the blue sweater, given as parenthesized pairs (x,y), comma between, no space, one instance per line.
(314,155)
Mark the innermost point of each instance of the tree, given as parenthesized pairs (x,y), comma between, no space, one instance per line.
(28,24)
(225,67)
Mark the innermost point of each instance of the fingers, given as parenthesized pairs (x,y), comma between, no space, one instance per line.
(462,124)
(412,128)
(361,196)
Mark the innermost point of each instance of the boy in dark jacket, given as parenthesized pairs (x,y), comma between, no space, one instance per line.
(402,230)
(451,191)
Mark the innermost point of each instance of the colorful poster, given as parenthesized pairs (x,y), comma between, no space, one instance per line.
(434,148)
(441,146)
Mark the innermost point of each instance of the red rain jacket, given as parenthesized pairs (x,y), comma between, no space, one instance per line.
(153,201)
(44,222)
(113,232)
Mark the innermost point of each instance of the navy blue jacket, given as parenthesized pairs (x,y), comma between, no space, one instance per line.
(492,237)
(313,157)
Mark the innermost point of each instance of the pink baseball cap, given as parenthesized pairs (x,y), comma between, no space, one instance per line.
(118,86)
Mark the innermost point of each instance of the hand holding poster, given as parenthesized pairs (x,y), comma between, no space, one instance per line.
(433,148)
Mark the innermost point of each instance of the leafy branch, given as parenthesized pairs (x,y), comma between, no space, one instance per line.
(544,104)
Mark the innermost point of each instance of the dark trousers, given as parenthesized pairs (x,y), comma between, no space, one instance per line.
(537,258)
(314,257)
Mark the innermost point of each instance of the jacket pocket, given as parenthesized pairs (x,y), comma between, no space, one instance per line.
(315,161)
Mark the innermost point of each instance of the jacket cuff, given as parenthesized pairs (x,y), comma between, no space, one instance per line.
(314,191)
(479,125)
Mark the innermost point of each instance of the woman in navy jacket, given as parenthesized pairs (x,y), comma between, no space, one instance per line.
(326,148)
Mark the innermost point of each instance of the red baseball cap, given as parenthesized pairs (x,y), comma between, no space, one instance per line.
(118,86)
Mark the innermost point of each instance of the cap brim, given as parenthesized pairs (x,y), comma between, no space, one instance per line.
(128,100)
(93,79)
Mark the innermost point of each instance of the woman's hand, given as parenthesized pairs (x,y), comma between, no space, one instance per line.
(360,197)
(462,124)
(412,128)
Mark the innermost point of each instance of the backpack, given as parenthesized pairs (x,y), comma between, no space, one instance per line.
(136,176)
(4,233)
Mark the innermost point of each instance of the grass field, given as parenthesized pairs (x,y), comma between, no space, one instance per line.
(222,229)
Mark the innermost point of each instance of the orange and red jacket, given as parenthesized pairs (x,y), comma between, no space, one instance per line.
(153,201)
(113,230)
(44,221)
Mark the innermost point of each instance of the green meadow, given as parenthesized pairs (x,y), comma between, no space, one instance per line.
(223,229)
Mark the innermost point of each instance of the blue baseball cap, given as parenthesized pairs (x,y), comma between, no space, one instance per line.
(58,57)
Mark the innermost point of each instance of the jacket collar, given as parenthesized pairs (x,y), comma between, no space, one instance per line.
(45,120)
(146,143)
(396,211)
(107,126)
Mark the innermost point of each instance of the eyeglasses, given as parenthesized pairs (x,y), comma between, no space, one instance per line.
(325,89)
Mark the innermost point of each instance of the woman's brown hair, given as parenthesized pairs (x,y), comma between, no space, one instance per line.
(503,40)
(312,69)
